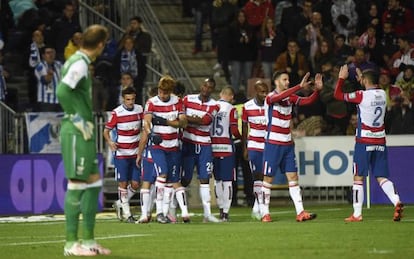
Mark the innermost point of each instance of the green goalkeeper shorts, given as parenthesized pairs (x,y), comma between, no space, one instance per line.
(79,156)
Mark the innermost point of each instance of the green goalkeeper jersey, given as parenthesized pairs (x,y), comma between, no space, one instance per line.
(75,91)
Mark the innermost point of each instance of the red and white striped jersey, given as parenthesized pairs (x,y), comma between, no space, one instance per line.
(278,116)
(128,127)
(169,110)
(254,115)
(371,105)
(193,106)
(221,136)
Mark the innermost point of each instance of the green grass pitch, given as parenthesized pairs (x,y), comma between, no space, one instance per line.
(328,236)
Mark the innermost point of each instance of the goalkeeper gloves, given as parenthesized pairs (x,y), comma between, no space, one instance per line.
(157,120)
(155,138)
(85,127)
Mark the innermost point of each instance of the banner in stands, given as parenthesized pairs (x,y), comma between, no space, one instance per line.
(43,131)
(34,184)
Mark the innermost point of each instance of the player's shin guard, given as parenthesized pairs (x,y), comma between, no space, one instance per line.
(131,192)
(73,198)
(389,189)
(182,201)
(296,196)
(205,199)
(89,208)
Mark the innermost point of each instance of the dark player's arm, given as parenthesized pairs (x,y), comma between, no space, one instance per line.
(181,122)
(205,120)
(274,98)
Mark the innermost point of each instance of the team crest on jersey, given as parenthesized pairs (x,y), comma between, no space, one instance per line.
(75,76)
(352,95)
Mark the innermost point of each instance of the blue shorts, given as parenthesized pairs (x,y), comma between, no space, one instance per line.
(256,161)
(371,158)
(126,170)
(200,156)
(225,168)
(167,162)
(278,157)
(148,171)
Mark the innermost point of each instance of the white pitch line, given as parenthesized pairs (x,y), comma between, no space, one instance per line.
(62,241)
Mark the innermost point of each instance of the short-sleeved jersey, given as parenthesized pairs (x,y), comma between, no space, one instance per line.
(254,115)
(169,110)
(221,136)
(46,91)
(278,116)
(193,106)
(127,123)
(75,89)
(371,105)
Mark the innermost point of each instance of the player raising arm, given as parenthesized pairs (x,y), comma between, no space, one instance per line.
(370,154)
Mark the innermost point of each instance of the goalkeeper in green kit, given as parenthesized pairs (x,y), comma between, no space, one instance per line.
(78,145)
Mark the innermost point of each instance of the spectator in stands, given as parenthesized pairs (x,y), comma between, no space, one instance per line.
(127,80)
(99,92)
(34,59)
(279,8)
(368,41)
(202,15)
(295,17)
(352,125)
(73,45)
(129,59)
(370,18)
(142,39)
(343,52)
(323,55)
(324,8)
(223,13)
(393,93)
(18,7)
(400,119)
(293,62)
(361,62)
(311,35)
(401,18)
(256,11)
(272,44)
(336,111)
(63,29)
(344,16)
(388,42)
(243,51)
(401,58)
(406,83)
(48,73)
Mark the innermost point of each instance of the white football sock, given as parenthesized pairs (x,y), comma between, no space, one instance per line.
(227,195)
(265,200)
(218,188)
(131,192)
(296,196)
(123,197)
(145,199)
(152,198)
(205,199)
(160,188)
(389,189)
(168,191)
(358,197)
(257,190)
(181,197)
